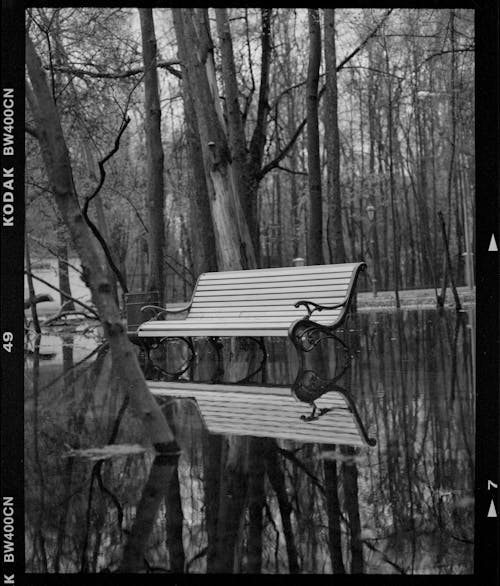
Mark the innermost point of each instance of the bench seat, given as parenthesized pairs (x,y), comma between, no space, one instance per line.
(260,302)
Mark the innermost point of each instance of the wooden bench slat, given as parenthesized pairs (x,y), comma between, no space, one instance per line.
(285,298)
(224,332)
(253,310)
(176,328)
(240,320)
(296,292)
(206,327)
(206,314)
(275,308)
(275,279)
(321,300)
(285,271)
(251,285)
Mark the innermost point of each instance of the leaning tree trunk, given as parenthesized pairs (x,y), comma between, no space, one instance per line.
(235,130)
(332,143)
(62,245)
(315,251)
(63,272)
(246,165)
(154,149)
(59,171)
(233,243)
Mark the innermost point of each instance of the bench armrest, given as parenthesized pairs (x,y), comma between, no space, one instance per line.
(158,312)
(316,306)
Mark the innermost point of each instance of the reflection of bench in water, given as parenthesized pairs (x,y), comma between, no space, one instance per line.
(270,412)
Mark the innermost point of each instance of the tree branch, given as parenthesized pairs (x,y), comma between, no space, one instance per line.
(63,313)
(470,48)
(79,72)
(30,130)
(67,295)
(258,140)
(92,226)
(274,163)
(282,168)
(54,253)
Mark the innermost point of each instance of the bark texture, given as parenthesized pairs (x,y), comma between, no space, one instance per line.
(155,157)
(332,142)
(315,240)
(233,243)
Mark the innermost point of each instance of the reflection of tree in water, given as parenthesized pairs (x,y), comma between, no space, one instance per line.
(423,449)
(68,411)
(238,504)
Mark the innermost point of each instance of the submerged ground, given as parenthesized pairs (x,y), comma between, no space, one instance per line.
(403,506)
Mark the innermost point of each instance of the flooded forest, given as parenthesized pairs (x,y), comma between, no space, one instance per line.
(165,143)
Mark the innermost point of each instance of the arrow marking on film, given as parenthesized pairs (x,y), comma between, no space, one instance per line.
(493,244)
(492,512)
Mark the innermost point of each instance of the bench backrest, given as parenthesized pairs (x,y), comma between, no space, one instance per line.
(272,293)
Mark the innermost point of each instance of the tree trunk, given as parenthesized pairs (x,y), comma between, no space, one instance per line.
(31,288)
(63,272)
(392,184)
(333,511)
(332,143)
(277,479)
(233,244)
(258,140)
(232,496)
(235,130)
(160,476)
(61,58)
(315,252)
(201,225)
(256,501)
(350,482)
(174,515)
(154,149)
(58,167)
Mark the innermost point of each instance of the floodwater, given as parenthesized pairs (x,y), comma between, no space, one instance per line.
(97,500)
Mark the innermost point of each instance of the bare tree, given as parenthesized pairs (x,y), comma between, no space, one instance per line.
(332,143)
(154,148)
(59,171)
(233,243)
(315,243)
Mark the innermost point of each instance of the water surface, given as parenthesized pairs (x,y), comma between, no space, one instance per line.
(257,504)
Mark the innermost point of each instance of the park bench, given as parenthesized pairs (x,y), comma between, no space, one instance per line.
(299,302)
(305,303)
